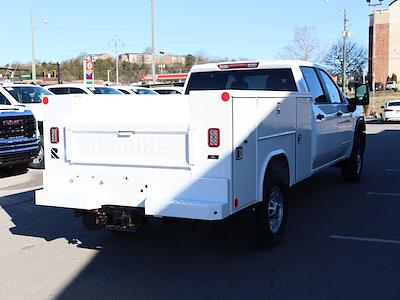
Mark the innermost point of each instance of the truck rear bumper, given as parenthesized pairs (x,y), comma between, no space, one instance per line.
(203,199)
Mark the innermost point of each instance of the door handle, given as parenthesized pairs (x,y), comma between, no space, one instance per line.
(339,113)
(320,117)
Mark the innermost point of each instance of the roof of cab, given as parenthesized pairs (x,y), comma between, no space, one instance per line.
(261,65)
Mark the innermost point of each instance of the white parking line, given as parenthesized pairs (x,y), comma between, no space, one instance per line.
(361,239)
(383,194)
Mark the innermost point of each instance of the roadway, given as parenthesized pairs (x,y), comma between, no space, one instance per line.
(342,242)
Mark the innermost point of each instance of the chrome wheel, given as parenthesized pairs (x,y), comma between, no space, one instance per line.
(275,209)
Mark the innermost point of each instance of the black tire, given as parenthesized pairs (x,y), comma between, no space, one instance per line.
(38,161)
(271,212)
(352,168)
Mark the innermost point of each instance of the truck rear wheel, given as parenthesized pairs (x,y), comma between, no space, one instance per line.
(271,212)
(351,169)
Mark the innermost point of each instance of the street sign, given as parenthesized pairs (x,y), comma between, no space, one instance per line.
(89,65)
(88,71)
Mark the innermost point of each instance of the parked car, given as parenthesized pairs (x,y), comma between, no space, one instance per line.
(31,96)
(391,111)
(169,90)
(390,85)
(64,89)
(378,86)
(135,90)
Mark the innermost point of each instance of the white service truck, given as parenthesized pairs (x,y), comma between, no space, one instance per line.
(243,133)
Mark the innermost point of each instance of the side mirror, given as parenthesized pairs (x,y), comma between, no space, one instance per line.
(361,95)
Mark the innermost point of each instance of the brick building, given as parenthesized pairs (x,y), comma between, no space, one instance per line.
(384,44)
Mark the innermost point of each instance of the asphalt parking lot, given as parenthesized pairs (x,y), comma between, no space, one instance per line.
(342,242)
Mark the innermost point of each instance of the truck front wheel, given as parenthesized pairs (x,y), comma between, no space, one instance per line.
(271,212)
(352,167)
(38,161)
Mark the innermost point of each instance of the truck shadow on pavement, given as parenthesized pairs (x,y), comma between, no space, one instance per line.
(14,171)
(198,260)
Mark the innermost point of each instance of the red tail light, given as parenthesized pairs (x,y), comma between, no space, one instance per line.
(54,135)
(213,137)
(387,110)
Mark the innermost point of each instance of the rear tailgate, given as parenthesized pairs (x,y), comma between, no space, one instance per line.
(149,152)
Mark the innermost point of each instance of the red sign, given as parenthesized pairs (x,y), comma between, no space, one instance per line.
(89,66)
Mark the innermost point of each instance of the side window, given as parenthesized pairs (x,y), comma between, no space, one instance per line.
(73,90)
(58,91)
(314,85)
(123,91)
(3,100)
(331,87)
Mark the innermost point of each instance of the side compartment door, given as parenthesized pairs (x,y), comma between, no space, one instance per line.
(303,138)
(244,151)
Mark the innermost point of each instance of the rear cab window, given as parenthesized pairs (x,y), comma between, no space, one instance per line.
(259,79)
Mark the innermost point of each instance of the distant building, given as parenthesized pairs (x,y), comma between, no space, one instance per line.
(95,57)
(145,58)
(384,44)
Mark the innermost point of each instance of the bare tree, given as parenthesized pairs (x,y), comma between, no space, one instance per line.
(356,58)
(305,45)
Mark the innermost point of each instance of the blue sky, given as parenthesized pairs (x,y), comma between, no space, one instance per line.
(253,29)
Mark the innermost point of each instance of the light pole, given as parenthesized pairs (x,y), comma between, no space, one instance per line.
(346,34)
(33,48)
(153,44)
(33,45)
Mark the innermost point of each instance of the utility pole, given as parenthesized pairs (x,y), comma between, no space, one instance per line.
(33,48)
(116,60)
(59,72)
(346,34)
(153,44)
